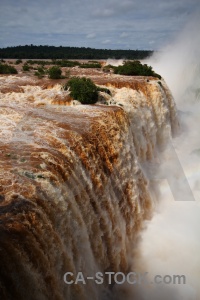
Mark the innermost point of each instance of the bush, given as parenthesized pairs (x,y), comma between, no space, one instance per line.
(39,62)
(18,61)
(93,61)
(91,65)
(105,90)
(135,68)
(67,63)
(39,75)
(6,69)
(108,68)
(40,72)
(26,67)
(83,90)
(55,73)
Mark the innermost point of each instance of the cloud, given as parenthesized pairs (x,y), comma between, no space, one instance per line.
(128,23)
(90,35)
(124,35)
(107,12)
(106,42)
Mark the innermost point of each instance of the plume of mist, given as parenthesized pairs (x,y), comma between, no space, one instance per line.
(114,62)
(170,243)
(179,62)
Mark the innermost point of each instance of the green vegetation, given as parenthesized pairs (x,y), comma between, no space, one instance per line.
(83,90)
(6,69)
(108,68)
(26,68)
(91,65)
(105,90)
(45,52)
(66,63)
(93,61)
(39,62)
(40,72)
(55,73)
(18,61)
(39,75)
(60,63)
(135,68)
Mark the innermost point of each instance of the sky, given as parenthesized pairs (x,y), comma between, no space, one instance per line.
(107,24)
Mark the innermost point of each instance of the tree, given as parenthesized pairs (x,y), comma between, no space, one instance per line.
(55,72)
(135,68)
(83,90)
(36,52)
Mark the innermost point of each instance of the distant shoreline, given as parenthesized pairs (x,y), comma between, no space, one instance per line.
(77,53)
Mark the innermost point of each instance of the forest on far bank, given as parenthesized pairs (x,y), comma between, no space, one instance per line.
(52,52)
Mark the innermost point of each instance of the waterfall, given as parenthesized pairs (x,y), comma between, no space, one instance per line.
(74,193)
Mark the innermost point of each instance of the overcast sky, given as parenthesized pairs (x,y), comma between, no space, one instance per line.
(110,24)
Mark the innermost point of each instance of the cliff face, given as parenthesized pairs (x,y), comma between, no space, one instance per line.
(72,192)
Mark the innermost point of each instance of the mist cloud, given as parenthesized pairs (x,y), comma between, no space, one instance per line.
(170,243)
